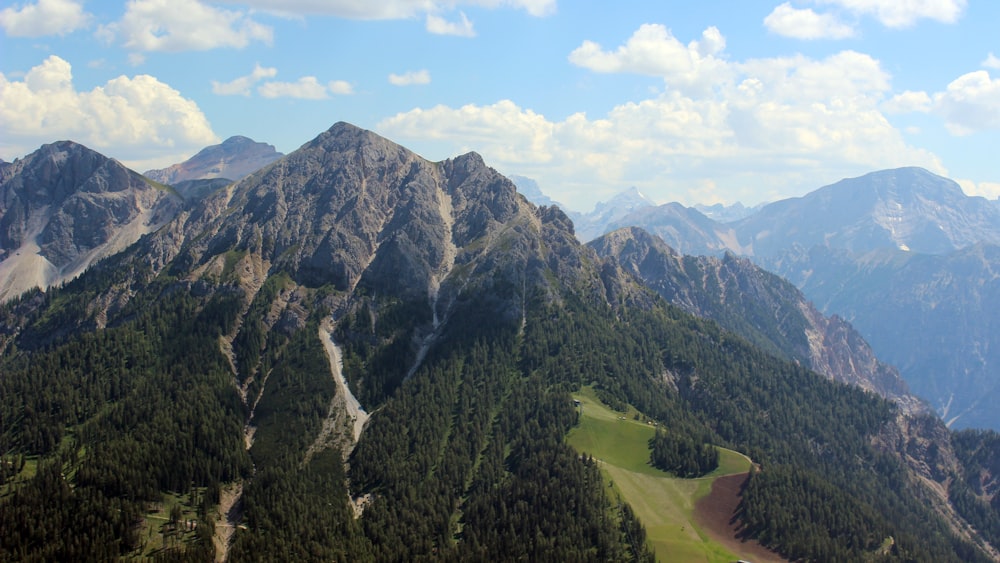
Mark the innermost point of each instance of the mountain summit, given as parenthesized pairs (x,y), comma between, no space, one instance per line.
(907,208)
(63,207)
(233,159)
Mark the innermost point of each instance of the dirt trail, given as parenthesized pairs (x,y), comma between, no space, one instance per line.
(714,513)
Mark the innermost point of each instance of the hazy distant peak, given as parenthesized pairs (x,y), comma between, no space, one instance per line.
(234,158)
(627,199)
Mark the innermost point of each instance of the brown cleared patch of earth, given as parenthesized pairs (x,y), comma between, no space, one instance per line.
(714,514)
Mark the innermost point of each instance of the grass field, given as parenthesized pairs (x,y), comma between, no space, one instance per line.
(664,504)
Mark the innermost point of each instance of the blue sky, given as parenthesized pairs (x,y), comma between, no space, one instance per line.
(697,102)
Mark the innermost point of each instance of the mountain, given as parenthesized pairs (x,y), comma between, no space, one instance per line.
(64,207)
(608,213)
(532,192)
(683,228)
(759,306)
(903,255)
(908,259)
(907,208)
(235,158)
(930,315)
(358,354)
(726,213)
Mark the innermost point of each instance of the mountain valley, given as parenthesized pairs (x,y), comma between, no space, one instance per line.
(191,370)
(902,255)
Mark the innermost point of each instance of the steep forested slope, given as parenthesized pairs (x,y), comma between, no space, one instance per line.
(192,364)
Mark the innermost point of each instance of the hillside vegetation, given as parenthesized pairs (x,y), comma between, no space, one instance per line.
(619,441)
(190,368)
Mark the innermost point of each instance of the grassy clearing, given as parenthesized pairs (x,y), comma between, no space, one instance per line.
(664,503)
(157,533)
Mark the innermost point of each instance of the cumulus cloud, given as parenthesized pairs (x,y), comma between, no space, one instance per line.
(971,103)
(45,17)
(410,78)
(909,102)
(653,50)
(758,128)
(804,23)
(392,9)
(241,86)
(441,26)
(184,25)
(132,119)
(989,190)
(903,13)
(305,88)
(991,61)
(340,87)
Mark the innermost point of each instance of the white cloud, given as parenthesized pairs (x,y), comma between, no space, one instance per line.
(989,190)
(410,78)
(340,87)
(991,61)
(909,102)
(241,86)
(653,50)
(305,88)
(391,9)
(804,23)
(184,25)
(760,129)
(132,119)
(903,13)
(441,26)
(45,17)
(971,103)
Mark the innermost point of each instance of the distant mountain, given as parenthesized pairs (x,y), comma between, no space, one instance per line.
(531,190)
(907,208)
(904,255)
(932,316)
(63,207)
(606,215)
(762,307)
(235,158)
(726,213)
(359,354)
(684,229)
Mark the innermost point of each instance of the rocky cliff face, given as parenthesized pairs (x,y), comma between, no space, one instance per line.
(763,308)
(64,207)
(235,158)
(353,209)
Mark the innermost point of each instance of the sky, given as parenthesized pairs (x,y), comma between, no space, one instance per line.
(716,101)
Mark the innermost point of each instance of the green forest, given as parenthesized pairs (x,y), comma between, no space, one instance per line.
(465,460)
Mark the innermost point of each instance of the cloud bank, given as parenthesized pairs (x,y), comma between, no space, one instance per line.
(143,119)
(760,128)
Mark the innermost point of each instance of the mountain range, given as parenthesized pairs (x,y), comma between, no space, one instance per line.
(355,353)
(903,255)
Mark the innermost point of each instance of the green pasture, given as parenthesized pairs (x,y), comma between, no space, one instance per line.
(664,503)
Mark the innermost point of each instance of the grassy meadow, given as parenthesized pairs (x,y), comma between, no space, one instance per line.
(664,503)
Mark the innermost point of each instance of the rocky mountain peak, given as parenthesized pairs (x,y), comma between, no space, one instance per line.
(906,208)
(233,159)
(65,206)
